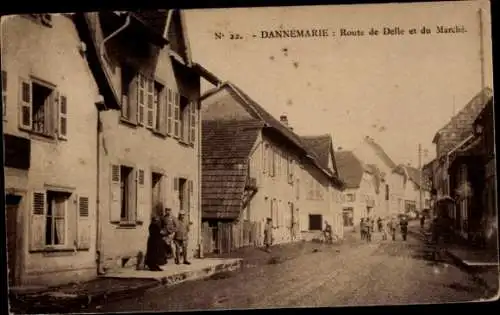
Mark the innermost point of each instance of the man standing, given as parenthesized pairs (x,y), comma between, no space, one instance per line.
(181,238)
(328,233)
(169,225)
(268,234)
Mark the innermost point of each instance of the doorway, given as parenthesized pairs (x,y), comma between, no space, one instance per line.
(13,237)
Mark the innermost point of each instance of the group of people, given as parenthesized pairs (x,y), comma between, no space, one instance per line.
(385,227)
(165,232)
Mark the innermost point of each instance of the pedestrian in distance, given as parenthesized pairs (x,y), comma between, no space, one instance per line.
(391,226)
(404,227)
(362,228)
(268,235)
(367,229)
(328,233)
(181,238)
(422,221)
(379,224)
(383,229)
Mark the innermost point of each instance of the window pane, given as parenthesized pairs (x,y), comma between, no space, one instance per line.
(59,208)
(59,231)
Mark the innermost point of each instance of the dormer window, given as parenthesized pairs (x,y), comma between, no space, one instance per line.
(46,19)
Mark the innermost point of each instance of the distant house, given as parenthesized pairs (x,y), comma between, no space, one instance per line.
(450,138)
(392,197)
(322,146)
(149,136)
(255,167)
(362,187)
(50,134)
(416,188)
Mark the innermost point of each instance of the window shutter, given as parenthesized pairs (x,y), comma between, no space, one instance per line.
(141,99)
(141,201)
(37,228)
(163,115)
(177,115)
(176,183)
(170,111)
(133,100)
(150,109)
(84,223)
(62,117)
(164,191)
(115,194)
(4,92)
(125,107)
(193,105)
(25,101)
(264,158)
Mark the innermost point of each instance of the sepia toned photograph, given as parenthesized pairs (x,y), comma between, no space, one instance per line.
(249,158)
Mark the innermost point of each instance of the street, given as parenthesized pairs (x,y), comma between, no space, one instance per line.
(354,273)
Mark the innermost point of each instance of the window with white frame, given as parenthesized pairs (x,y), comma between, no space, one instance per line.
(56,226)
(55,222)
(42,109)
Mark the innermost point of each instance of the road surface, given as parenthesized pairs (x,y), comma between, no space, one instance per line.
(358,273)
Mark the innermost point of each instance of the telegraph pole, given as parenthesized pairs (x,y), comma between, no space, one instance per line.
(420,175)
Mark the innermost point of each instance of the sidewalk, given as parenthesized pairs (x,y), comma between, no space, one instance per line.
(481,264)
(115,285)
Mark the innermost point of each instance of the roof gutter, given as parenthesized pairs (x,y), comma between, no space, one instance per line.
(110,36)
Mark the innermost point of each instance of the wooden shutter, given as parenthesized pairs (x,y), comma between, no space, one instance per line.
(115,194)
(141,99)
(177,115)
(264,158)
(170,111)
(150,106)
(83,223)
(4,92)
(163,112)
(38,223)
(141,196)
(133,100)
(25,104)
(125,107)
(193,106)
(164,191)
(62,120)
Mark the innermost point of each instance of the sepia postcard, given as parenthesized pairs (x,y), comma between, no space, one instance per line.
(249,158)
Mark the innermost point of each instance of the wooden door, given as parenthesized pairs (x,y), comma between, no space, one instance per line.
(12,234)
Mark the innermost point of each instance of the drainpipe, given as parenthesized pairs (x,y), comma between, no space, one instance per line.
(127,23)
(100,105)
(199,156)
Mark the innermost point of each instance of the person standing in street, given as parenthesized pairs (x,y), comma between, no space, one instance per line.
(169,226)
(367,230)
(379,224)
(391,225)
(422,221)
(362,228)
(383,229)
(404,227)
(155,254)
(268,234)
(181,238)
(328,233)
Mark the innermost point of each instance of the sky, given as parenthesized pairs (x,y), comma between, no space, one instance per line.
(397,89)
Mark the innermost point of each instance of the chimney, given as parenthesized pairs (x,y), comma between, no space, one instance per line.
(284,120)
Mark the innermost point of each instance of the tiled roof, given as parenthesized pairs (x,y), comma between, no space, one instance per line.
(460,126)
(380,152)
(414,176)
(350,168)
(271,122)
(226,147)
(321,146)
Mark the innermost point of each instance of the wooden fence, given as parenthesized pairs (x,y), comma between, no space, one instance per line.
(226,237)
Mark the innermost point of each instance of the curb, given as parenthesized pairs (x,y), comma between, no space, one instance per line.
(22,303)
(474,272)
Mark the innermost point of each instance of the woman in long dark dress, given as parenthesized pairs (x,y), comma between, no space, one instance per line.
(155,253)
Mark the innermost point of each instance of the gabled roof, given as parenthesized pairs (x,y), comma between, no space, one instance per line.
(270,122)
(413,174)
(350,168)
(226,148)
(322,146)
(460,126)
(379,151)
